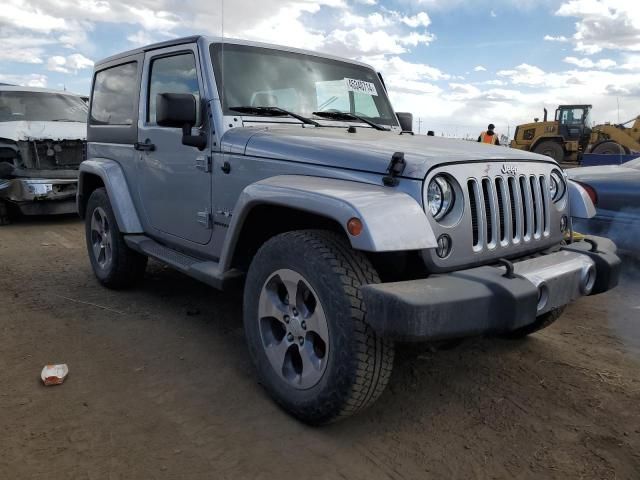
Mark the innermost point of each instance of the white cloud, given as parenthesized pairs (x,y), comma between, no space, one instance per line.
(558,38)
(631,62)
(479,68)
(22,14)
(30,80)
(419,20)
(588,63)
(524,74)
(604,24)
(69,64)
(374,20)
(23,48)
(498,83)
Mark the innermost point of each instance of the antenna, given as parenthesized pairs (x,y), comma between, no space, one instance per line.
(222,55)
(618,102)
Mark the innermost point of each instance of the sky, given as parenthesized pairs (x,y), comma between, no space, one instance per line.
(456,65)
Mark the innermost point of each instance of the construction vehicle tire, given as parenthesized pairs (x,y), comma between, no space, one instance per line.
(552,149)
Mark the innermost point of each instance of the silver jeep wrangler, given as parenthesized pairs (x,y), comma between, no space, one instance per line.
(289,173)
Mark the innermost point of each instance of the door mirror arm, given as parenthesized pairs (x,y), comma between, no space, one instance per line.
(197,141)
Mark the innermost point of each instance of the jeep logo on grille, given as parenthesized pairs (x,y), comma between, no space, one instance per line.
(509,169)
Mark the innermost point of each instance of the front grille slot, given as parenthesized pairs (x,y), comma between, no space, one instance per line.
(473,206)
(508,210)
(545,201)
(488,211)
(502,213)
(516,210)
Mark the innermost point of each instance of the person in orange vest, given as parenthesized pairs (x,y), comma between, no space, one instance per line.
(489,136)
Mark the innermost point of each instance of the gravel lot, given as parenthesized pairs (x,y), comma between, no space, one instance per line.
(160,386)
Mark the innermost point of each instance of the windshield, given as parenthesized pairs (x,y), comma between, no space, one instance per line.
(41,107)
(299,83)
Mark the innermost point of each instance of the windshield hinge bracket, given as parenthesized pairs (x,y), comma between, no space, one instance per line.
(395,168)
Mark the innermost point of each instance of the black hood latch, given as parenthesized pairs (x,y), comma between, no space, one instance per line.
(395,168)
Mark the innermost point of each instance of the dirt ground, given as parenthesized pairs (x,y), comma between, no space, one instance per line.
(161,386)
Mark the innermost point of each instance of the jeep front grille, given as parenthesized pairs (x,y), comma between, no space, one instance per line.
(508,210)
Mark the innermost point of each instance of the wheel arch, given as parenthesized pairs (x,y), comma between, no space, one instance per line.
(101,172)
(392,220)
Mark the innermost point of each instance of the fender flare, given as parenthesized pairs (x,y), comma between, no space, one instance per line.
(580,204)
(392,220)
(113,178)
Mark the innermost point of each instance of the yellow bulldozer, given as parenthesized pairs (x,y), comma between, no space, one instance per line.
(570,135)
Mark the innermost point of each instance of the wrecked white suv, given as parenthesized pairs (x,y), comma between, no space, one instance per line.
(42,142)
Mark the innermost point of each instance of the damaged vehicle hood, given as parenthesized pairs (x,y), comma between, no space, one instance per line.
(37,130)
(366,150)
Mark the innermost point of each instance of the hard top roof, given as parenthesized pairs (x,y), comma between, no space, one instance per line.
(235,41)
(18,88)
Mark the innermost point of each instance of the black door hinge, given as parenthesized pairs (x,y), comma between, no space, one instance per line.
(395,168)
(205,219)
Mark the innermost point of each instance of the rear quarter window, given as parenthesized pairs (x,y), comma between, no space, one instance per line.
(114,95)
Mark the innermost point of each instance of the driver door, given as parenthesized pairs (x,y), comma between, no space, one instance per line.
(175,179)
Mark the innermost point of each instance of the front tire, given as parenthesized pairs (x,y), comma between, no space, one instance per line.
(115,265)
(306,328)
(551,149)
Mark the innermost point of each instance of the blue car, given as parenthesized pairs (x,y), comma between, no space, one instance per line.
(615,191)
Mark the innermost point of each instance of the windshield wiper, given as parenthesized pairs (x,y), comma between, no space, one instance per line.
(350,116)
(274,112)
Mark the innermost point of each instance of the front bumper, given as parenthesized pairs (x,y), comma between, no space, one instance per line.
(484,300)
(40,195)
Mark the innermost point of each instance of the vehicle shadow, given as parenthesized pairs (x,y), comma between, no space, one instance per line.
(424,372)
(51,220)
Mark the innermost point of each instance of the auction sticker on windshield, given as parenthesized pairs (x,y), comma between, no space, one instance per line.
(360,86)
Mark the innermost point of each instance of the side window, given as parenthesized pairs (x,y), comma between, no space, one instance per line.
(114,92)
(175,74)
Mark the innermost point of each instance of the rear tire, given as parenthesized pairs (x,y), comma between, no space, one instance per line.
(543,321)
(609,148)
(115,265)
(349,364)
(551,149)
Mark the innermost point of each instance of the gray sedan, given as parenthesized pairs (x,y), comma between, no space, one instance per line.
(615,191)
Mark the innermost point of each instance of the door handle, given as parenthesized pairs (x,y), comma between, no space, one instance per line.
(147,146)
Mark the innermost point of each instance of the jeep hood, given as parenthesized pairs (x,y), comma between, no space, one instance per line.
(19,131)
(366,150)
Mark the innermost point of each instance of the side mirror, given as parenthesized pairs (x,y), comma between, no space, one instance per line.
(178,110)
(406,121)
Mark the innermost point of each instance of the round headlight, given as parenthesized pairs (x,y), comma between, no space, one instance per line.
(556,186)
(439,197)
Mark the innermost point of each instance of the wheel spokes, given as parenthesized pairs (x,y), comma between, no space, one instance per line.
(294,328)
(100,237)
(276,352)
